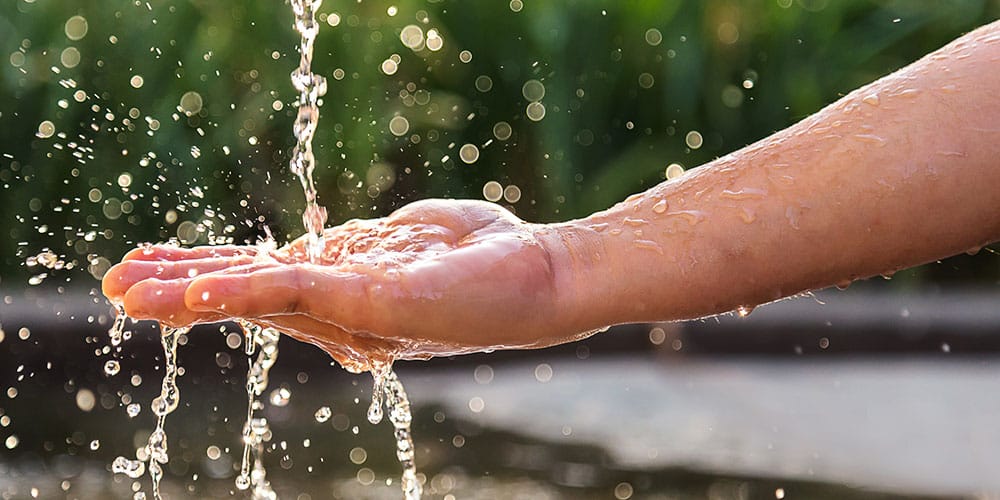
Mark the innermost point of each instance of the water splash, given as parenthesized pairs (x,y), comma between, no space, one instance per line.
(380,373)
(389,389)
(155,451)
(116,332)
(256,429)
(310,86)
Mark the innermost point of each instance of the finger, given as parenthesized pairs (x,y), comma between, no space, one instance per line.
(334,297)
(173,253)
(123,276)
(163,300)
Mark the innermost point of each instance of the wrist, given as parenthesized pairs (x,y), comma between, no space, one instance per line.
(583,273)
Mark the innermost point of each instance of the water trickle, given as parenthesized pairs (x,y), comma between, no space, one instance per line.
(118,327)
(399,414)
(380,372)
(155,451)
(310,86)
(163,405)
(256,430)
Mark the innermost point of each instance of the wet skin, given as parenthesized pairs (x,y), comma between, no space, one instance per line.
(436,277)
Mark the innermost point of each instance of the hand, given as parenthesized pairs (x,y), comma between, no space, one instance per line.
(436,277)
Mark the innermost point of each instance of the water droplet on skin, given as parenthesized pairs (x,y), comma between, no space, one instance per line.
(792,215)
(692,217)
(648,245)
(974,250)
(743,194)
(747,215)
(870,99)
(660,206)
(744,311)
(844,284)
(870,139)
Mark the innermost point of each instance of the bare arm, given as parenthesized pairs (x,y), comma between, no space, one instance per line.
(900,172)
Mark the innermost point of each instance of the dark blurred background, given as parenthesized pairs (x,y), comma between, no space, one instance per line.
(127,122)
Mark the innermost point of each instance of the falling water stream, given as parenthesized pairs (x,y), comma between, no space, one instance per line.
(387,389)
(310,86)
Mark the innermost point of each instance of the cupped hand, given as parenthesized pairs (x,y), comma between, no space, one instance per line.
(436,277)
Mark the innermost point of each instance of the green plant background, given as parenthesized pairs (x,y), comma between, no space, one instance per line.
(735,71)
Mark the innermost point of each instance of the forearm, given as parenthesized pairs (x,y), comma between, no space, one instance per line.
(903,171)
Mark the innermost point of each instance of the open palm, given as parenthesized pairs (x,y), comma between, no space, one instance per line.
(436,277)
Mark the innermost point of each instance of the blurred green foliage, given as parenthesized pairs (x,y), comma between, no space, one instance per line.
(624,82)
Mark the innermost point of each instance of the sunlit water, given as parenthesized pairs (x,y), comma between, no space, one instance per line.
(310,86)
(256,430)
(387,391)
(155,454)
